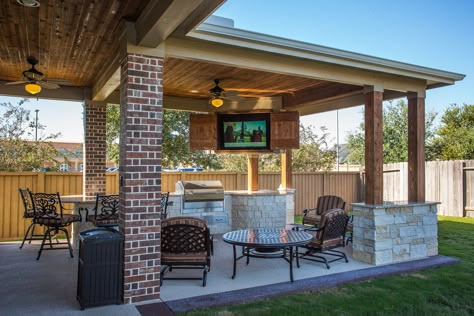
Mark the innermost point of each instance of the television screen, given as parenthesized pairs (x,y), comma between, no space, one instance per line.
(244,131)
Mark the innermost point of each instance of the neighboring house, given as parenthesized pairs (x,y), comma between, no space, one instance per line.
(72,156)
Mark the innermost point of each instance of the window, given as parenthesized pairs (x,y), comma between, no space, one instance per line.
(64,167)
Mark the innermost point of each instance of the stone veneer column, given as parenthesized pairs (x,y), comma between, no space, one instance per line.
(94,148)
(141,97)
(393,233)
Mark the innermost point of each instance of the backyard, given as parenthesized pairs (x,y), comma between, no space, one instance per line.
(443,291)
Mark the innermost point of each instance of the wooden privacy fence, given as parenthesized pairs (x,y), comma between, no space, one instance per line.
(448,182)
(308,187)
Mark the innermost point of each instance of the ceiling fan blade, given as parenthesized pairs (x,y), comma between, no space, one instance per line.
(261,90)
(58,81)
(230,93)
(48,85)
(234,98)
(16,82)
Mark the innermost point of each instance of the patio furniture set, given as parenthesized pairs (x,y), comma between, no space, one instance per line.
(186,242)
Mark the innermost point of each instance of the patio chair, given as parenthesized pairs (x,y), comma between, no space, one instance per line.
(49,211)
(349,229)
(329,236)
(29,214)
(185,244)
(312,216)
(164,205)
(105,211)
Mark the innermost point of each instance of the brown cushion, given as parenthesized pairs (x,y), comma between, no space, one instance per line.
(197,257)
(103,220)
(67,219)
(312,219)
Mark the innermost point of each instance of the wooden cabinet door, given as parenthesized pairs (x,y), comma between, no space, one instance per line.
(285,130)
(203,131)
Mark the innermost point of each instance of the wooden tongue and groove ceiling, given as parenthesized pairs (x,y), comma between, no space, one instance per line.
(72,39)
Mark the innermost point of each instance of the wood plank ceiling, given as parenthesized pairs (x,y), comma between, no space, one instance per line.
(70,38)
(73,39)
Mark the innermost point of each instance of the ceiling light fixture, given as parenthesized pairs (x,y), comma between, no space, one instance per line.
(216,102)
(33,88)
(29,3)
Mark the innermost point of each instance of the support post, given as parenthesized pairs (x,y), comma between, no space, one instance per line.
(252,178)
(416,147)
(373,145)
(286,170)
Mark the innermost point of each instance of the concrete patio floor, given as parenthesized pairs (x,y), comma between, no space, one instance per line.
(48,286)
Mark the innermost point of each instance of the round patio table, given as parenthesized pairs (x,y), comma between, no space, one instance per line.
(266,243)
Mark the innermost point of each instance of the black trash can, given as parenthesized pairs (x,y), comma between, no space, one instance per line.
(100,273)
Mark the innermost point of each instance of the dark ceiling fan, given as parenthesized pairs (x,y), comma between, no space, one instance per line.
(219,95)
(34,79)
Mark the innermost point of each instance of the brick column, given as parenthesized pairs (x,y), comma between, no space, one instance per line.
(140,174)
(94,148)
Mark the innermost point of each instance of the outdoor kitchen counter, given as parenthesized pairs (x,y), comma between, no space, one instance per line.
(244,210)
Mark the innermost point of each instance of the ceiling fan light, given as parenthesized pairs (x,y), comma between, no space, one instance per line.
(216,102)
(33,88)
(29,3)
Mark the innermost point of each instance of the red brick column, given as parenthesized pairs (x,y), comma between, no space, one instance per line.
(140,173)
(94,148)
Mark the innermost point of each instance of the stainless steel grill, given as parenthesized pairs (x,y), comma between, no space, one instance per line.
(201,196)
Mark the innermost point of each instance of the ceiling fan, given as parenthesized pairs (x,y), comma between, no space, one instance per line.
(34,79)
(219,95)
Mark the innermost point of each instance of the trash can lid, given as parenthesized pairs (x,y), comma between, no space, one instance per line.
(100,234)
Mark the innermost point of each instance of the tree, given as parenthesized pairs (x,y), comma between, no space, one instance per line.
(17,153)
(313,155)
(395,136)
(113,132)
(455,137)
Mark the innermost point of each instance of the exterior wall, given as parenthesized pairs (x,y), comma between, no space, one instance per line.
(141,100)
(94,148)
(386,234)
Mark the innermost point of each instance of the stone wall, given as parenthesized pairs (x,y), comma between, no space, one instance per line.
(393,233)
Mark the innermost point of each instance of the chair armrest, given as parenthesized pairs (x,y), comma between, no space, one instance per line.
(308,210)
(312,229)
(72,211)
(87,212)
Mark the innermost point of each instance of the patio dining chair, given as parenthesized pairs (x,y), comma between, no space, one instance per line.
(105,211)
(185,244)
(312,216)
(49,211)
(29,214)
(164,205)
(327,237)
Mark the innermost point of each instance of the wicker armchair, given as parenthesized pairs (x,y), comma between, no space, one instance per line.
(185,244)
(49,211)
(329,236)
(312,216)
(105,212)
(29,214)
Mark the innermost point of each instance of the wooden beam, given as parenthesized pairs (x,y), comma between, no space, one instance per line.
(319,94)
(197,16)
(286,170)
(373,148)
(161,18)
(416,148)
(252,169)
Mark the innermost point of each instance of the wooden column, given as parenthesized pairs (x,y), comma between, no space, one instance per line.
(286,171)
(416,148)
(373,147)
(252,179)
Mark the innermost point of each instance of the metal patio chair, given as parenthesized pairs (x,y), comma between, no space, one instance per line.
(164,205)
(185,244)
(312,216)
(105,211)
(29,214)
(327,237)
(49,211)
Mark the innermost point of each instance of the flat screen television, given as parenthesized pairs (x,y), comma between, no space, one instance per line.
(243,131)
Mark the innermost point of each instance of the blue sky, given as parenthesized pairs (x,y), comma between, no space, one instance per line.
(432,33)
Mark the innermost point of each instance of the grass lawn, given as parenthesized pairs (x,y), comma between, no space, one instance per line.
(442,291)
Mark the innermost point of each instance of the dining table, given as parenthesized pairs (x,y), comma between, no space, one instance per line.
(80,203)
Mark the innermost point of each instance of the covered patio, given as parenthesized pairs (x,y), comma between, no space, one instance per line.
(48,287)
(149,55)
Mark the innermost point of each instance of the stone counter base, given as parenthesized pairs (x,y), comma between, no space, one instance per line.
(394,232)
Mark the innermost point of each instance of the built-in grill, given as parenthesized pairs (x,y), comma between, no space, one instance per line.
(201,196)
